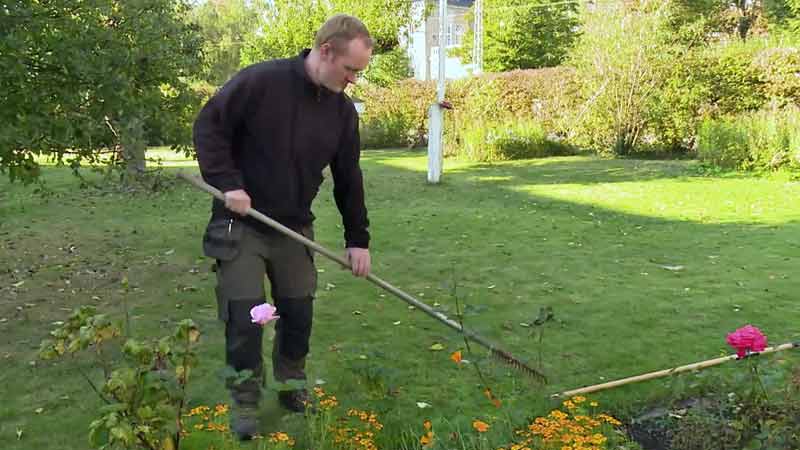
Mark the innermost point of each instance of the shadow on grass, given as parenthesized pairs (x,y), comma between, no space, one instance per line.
(623,305)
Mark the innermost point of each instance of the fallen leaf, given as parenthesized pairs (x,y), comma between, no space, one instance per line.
(677,268)
(18,284)
(437,347)
(491,286)
(423,405)
(169,252)
(39,410)
(362,356)
(356,313)
(19,433)
(396,322)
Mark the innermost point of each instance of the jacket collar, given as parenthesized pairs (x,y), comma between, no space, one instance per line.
(299,68)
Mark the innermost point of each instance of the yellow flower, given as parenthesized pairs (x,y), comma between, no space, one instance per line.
(220,410)
(198,410)
(480,426)
(593,404)
(427,439)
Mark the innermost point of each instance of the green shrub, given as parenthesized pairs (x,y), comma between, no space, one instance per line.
(762,140)
(779,71)
(520,139)
(722,142)
(735,82)
(397,116)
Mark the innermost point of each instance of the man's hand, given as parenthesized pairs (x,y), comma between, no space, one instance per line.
(237,201)
(359,261)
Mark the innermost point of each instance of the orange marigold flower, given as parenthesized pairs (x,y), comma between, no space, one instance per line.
(427,425)
(578,399)
(427,439)
(480,426)
(456,357)
(220,410)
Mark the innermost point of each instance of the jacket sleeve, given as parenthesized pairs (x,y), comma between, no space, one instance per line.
(348,190)
(214,131)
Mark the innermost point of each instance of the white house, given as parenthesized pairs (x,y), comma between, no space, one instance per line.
(423,47)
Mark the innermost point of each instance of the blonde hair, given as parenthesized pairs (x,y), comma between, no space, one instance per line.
(339,30)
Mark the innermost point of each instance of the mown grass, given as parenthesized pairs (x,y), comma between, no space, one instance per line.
(646,265)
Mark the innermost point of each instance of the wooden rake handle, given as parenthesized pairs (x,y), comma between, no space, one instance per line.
(667,372)
(411,300)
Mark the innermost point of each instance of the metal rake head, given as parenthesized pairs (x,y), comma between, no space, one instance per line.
(510,360)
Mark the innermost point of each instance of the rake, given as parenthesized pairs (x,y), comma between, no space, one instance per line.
(667,372)
(496,352)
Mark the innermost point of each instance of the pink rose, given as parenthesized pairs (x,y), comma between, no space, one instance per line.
(263,314)
(747,339)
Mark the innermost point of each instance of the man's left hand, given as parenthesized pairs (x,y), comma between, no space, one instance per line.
(359,261)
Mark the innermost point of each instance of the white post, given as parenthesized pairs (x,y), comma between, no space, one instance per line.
(435,112)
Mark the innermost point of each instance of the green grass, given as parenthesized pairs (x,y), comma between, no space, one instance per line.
(589,237)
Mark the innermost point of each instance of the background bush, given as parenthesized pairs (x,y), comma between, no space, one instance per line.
(761,140)
(397,116)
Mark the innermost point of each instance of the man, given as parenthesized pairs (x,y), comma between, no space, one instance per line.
(264,141)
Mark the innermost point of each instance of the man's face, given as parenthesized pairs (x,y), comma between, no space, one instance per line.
(338,69)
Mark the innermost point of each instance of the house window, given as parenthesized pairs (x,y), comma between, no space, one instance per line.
(455,34)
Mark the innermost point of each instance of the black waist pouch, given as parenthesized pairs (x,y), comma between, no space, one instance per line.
(222,238)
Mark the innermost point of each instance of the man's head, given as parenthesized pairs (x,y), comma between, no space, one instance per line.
(342,49)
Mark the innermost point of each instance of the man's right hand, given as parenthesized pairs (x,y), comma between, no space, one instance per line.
(237,201)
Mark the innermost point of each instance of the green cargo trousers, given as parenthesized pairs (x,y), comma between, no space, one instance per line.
(244,256)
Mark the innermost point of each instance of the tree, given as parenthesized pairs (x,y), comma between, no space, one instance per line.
(389,67)
(700,21)
(288,26)
(524,34)
(84,80)
(225,26)
(622,60)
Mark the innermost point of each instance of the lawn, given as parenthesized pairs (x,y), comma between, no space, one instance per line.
(646,265)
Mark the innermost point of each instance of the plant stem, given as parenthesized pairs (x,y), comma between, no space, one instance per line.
(94,388)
